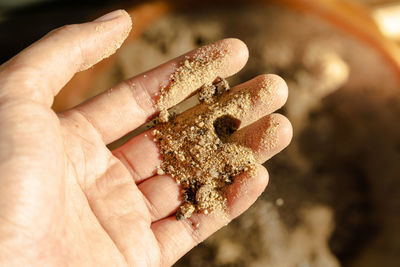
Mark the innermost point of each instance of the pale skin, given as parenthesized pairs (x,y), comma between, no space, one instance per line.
(65,198)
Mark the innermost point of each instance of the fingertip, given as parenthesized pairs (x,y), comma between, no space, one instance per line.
(265,137)
(246,189)
(277,136)
(263,177)
(126,18)
(282,88)
(235,57)
(106,35)
(239,51)
(285,130)
(276,86)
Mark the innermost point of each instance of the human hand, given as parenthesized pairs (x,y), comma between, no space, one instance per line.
(66,199)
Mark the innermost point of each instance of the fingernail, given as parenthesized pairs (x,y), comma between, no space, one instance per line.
(109,16)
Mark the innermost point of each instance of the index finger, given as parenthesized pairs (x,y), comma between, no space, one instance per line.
(120,110)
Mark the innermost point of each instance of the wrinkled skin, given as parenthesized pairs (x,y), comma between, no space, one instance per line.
(65,198)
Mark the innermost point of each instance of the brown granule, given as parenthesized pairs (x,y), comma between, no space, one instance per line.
(198,153)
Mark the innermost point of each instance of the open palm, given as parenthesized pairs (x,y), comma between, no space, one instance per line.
(65,198)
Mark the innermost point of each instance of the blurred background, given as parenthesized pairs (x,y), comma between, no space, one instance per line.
(334,193)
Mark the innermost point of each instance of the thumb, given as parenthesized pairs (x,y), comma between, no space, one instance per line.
(41,70)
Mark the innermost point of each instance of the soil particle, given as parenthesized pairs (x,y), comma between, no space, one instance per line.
(195,71)
(196,149)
